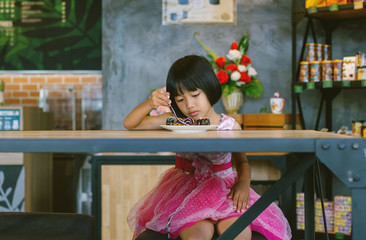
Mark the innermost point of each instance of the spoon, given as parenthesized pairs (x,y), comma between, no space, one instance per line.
(175,115)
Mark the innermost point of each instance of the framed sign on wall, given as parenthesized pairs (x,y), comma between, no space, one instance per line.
(199,12)
(50,34)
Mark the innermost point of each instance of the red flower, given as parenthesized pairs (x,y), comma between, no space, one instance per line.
(220,62)
(223,77)
(244,77)
(245,60)
(231,67)
(234,45)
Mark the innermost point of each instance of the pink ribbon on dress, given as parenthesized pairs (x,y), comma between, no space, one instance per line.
(184,165)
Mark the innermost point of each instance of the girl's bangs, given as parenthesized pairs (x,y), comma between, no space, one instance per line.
(185,83)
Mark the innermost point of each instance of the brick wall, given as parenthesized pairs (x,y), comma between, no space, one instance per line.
(24,89)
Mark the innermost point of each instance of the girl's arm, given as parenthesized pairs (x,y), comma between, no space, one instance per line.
(240,192)
(137,119)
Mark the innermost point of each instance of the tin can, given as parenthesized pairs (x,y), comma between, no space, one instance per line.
(327,52)
(311,52)
(357,127)
(361,73)
(364,130)
(304,71)
(327,71)
(315,71)
(360,59)
(337,69)
(319,52)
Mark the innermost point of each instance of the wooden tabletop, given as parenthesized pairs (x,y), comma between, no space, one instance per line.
(116,134)
(163,141)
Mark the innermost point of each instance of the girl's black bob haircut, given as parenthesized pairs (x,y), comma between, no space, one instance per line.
(190,73)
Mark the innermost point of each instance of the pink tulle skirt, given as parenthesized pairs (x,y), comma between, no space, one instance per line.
(179,200)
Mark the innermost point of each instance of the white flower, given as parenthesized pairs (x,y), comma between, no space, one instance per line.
(235,76)
(234,54)
(239,84)
(251,71)
(242,68)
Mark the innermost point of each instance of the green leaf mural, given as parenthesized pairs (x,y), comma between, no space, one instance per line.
(51,35)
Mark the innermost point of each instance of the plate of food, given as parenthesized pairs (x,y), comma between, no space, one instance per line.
(188,125)
(189,128)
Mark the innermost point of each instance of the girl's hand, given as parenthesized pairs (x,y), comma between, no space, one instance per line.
(160,97)
(240,194)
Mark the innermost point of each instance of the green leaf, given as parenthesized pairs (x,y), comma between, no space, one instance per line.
(27,64)
(60,43)
(76,53)
(254,89)
(48,32)
(263,110)
(80,10)
(225,90)
(210,59)
(208,50)
(93,16)
(244,44)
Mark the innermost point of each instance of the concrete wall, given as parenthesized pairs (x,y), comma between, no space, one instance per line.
(138,51)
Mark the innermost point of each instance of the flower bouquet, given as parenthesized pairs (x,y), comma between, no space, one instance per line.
(235,71)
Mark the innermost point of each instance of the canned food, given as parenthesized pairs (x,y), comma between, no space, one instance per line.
(319,52)
(304,71)
(327,71)
(337,70)
(361,73)
(311,52)
(360,59)
(315,71)
(357,128)
(364,130)
(327,52)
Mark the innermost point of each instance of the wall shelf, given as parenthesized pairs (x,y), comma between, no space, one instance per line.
(344,12)
(329,19)
(332,85)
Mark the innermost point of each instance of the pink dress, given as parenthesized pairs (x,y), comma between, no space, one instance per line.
(197,189)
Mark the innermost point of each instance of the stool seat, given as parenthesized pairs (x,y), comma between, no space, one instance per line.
(151,235)
(46,226)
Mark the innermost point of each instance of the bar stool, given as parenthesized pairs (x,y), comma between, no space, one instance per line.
(46,226)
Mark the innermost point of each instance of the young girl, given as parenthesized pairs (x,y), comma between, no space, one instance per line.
(201,192)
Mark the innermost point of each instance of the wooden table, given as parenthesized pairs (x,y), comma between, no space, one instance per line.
(345,156)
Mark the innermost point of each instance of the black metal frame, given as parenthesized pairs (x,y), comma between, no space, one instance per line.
(305,165)
(98,161)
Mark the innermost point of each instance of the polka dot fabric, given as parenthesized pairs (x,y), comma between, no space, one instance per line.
(180,199)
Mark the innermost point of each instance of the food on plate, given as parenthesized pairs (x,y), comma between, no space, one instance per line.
(187,121)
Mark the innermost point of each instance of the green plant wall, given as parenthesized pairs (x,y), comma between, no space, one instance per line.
(50,35)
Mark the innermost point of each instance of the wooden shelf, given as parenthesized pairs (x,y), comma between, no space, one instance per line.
(345,12)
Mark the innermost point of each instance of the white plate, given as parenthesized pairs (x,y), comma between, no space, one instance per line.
(190,128)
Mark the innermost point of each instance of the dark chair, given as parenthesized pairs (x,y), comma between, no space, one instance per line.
(46,226)
(151,235)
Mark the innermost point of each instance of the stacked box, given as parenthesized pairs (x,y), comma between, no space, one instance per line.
(300,211)
(315,3)
(329,216)
(343,214)
(339,2)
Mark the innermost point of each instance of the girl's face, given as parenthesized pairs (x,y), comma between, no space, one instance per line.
(194,104)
